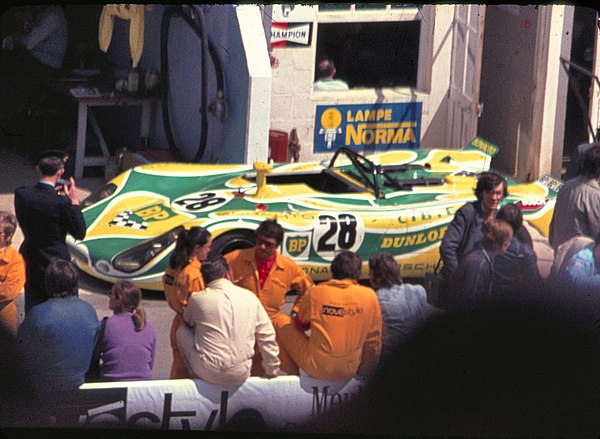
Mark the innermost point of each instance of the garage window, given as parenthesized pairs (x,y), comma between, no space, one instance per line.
(376,45)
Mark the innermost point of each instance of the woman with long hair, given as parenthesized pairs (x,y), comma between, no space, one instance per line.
(181,279)
(128,344)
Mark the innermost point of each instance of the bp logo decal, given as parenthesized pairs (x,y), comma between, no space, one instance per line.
(139,219)
(297,246)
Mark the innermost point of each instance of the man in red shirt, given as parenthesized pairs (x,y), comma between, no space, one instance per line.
(270,275)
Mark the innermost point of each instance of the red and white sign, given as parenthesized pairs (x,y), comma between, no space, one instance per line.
(290,34)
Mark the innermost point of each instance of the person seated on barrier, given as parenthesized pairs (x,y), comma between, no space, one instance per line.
(403,306)
(345,325)
(128,345)
(182,277)
(57,337)
(270,275)
(223,323)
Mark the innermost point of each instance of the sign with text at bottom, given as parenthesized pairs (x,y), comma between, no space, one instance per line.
(361,127)
(282,403)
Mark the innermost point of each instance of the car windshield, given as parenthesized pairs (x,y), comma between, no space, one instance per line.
(377,178)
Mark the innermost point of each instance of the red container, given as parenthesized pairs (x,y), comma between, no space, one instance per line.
(278,146)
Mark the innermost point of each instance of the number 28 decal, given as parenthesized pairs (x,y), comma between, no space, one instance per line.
(335,232)
(202,201)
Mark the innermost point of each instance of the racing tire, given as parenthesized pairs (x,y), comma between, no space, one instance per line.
(232,241)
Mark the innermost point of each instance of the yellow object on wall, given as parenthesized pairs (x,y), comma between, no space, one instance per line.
(133,12)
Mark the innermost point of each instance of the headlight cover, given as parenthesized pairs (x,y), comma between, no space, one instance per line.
(136,257)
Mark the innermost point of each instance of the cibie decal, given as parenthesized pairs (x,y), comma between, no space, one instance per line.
(335,232)
(203,201)
(124,220)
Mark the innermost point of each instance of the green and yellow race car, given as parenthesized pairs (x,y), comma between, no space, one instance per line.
(398,202)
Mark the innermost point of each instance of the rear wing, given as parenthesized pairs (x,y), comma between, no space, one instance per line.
(483,145)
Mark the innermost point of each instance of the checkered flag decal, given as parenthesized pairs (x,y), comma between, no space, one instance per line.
(122,220)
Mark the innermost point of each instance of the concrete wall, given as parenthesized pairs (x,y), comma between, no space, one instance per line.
(293,102)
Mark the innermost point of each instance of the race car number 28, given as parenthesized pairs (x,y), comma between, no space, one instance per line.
(337,232)
(201,201)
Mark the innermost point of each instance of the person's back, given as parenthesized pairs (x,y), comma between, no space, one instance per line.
(126,353)
(515,269)
(128,345)
(577,208)
(45,218)
(345,325)
(57,337)
(332,84)
(403,306)
(474,277)
(60,340)
(225,302)
(326,80)
(224,322)
(580,272)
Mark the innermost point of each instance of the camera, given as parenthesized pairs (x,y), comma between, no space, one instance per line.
(61,183)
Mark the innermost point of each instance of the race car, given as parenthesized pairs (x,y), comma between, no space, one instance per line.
(399,202)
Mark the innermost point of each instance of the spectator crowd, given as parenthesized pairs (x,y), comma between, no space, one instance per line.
(229,322)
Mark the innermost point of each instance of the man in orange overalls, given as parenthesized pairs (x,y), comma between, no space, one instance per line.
(270,275)
(344,318)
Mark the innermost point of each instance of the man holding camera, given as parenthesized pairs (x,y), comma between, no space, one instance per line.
(45,217)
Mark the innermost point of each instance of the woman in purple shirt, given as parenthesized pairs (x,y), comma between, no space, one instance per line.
(128,347)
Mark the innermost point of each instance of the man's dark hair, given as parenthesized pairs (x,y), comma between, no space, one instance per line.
(487,181)
(270,228)
(49,166)
(511,213)
(325,68)
(346,265)
(590,165)
(213,269)
(385,269)
(61,279)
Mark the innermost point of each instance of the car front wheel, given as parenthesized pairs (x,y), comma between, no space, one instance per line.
(232,241)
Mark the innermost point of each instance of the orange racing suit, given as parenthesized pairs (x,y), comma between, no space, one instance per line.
(179,284)
(285,276)
(345,331)
(12,280)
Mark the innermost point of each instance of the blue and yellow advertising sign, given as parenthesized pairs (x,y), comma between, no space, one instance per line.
(378,127)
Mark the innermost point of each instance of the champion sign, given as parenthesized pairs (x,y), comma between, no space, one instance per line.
(290,34)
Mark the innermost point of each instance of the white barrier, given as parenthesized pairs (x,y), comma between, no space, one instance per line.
(283,402)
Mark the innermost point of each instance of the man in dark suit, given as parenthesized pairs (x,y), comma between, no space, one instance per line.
(45,217)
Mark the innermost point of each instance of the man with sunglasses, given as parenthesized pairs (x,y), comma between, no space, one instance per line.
(270,275)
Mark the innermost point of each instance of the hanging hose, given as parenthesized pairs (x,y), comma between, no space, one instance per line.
(195,19)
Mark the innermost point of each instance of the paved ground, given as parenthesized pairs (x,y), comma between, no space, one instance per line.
(18,171)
